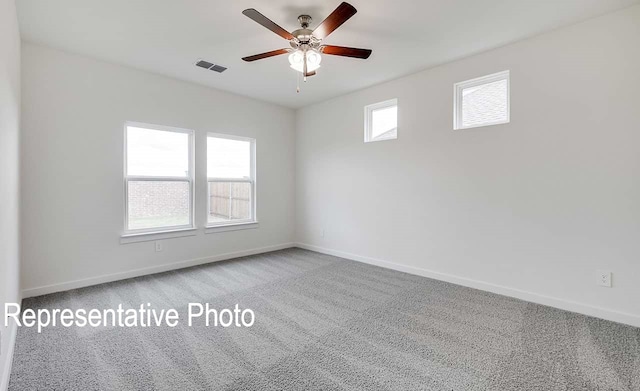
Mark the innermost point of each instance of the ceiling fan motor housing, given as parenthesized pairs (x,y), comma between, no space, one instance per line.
(304,35)
(304,20)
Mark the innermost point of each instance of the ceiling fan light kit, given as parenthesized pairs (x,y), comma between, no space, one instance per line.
(298,58)
(306,44)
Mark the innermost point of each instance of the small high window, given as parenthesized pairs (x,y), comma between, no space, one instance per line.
(381,121)
(482,102)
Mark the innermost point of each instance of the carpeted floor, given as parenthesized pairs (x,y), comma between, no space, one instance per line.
(325,323)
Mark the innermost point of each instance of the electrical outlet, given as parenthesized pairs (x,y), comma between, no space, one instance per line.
(603,278)
(158,246)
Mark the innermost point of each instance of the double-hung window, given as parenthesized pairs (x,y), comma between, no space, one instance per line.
(231,180)
(159,178)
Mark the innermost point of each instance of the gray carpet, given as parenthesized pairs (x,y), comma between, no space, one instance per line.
(325,323)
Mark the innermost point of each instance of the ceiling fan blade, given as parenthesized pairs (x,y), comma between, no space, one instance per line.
(266,55)
(335,20)
(345,51)
(268,23)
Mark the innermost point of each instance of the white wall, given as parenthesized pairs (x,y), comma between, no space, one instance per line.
(9,167)
(531,208)
(74,109)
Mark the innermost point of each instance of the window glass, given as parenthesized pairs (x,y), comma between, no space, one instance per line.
(229,201)
(384,120)
(153,152)
(155,204)
(381,121)
(228,158)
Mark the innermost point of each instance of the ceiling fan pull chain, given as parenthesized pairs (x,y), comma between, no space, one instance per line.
(304,59)
(297,82)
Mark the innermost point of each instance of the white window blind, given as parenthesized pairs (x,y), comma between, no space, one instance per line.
(482,102)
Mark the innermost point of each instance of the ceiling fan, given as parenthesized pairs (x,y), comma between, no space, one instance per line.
(306,45)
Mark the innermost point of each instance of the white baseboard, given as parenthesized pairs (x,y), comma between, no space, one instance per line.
(6,372)
(65,286)
(581,308)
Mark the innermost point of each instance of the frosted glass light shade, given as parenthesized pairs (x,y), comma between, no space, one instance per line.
(296,59)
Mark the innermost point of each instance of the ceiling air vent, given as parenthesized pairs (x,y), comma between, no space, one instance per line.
(218,68)
(210,66)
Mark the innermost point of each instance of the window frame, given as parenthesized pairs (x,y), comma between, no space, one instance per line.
(252,180)
(141,178)
(457,98)
(368,120)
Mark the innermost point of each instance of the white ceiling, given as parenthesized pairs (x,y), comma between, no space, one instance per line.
(168,36)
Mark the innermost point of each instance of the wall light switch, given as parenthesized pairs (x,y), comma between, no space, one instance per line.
(158,246)
(603,278)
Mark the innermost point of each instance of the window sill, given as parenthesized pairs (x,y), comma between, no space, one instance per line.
(502,122)
(373,140)
(160,235)
(231,227)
